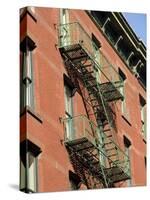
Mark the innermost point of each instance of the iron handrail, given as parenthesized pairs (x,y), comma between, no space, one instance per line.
(76,27)
(122,163)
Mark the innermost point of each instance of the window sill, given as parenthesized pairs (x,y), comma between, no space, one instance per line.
(29,110)
(27,10)
(126,119)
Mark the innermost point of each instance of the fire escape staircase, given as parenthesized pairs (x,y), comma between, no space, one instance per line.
(103,159)
(75,46)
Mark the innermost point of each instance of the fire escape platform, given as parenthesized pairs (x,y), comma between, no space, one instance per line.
(86,154)
(76,53)
(110,92)
(84,149)
(77,46)
(76,143)
(116,174)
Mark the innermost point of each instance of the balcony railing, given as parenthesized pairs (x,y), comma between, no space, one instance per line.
(111,154)
(71,36)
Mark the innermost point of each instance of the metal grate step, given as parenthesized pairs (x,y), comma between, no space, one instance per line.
(89,78)
(85,148)
(110,149)
(112,155)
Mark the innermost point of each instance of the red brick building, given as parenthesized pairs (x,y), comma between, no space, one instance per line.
(83,101)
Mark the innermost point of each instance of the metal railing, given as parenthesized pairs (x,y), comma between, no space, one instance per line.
(82,127)
(74,34)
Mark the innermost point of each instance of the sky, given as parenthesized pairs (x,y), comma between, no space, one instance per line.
(137,21)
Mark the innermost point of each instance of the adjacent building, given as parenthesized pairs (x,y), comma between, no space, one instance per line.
(82,101)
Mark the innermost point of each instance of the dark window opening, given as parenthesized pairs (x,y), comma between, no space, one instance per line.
(70,85)
(100,16)
(127,142)
(96,41)
(133,60)
(124,50)
(111,34)
(127,145)
(75,180)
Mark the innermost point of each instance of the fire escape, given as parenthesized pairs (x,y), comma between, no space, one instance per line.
(93,150)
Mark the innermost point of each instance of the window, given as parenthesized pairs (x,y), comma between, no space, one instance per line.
(143,116)
(102,157)
(69,112)
(28,166)
(28,176)
(64,16)
(68,102)
(124,49)
(64,29)
(75,180)
(127,146)
(122,91)
(26,78)
(96,52)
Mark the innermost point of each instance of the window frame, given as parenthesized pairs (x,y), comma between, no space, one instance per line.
(26,74)
(69,113)
(123,78)
(64,30)
(27,148)
(127,151)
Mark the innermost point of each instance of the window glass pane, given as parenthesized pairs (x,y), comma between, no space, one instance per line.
(97,55)
(22,83)
(29,95)
(64,16)
(26,87)
(68,101)
(65,32)
(69,128)
(122,91)
(127,145)
(102,158)
(143,115)
(24,65)
(31,172)
(142,112)
(123,104)
(22,176)
(27,65)
(69,113)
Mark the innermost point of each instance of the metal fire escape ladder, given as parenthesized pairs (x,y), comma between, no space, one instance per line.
(88,154)
(100,106)
(101,103)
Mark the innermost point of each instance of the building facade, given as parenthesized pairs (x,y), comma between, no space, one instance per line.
(82,101)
